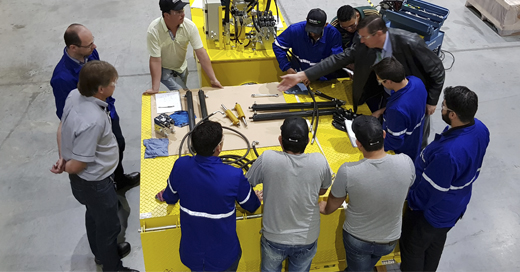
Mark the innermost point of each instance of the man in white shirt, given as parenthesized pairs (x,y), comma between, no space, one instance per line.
(167,39)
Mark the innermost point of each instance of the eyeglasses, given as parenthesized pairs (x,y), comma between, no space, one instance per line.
(352,26)
(86,46)
(366,37)
(381,81)
(113,84)
(221,141)
(444,107)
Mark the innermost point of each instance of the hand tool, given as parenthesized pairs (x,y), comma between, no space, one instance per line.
(264,95)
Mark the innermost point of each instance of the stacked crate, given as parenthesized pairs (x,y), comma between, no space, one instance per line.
(504,15)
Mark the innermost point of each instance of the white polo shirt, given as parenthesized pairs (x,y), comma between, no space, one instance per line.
(86,136)
(172,52)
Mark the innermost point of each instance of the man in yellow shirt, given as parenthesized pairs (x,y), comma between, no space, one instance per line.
(167,39)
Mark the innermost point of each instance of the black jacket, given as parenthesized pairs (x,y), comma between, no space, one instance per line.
(409,48)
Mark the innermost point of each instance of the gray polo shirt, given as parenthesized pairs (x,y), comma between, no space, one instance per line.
(377,190)
(291,190)
(86,136)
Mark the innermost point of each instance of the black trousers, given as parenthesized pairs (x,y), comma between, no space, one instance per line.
(421,244)
(119,173)
(101,220)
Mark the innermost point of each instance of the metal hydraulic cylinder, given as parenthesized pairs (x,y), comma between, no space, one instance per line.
(231,116)
(241,114)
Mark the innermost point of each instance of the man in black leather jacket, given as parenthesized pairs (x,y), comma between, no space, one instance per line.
(378,42)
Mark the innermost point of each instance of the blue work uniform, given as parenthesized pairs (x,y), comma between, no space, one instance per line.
(65,79)
(445,172)
(305,50)
(403,119)
(207,190)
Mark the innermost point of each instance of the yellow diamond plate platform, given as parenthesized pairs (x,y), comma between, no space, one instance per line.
(160,224)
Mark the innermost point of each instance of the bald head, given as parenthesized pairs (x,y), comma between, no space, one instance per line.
(79,41)
(72,34)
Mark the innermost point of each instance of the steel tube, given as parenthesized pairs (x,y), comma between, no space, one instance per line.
(191,114)
(202,103)
(283,115)
(291,106)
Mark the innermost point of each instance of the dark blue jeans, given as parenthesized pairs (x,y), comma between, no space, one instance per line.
(273,255)
(101,220)
(363,256)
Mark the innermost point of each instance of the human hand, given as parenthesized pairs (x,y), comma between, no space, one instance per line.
(150,92)
(378,113)
(216,84)
(430,109)
(290,80)
(322,205)
(291,71)
(59,167)
(159,197)
(260,194)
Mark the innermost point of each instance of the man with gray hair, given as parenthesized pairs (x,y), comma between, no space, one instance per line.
(89,153)
(376,187)
(376,43)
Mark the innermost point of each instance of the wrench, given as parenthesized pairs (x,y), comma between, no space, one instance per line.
(264,95)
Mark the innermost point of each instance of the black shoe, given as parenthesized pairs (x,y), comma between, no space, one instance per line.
(130,181)
(129,269)
(123,249)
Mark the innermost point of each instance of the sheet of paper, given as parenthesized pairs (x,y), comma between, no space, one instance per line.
(350,132)
(168,102)
(197,4)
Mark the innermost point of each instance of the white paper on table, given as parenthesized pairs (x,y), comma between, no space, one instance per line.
(197,4)
(350,132)
(168,102)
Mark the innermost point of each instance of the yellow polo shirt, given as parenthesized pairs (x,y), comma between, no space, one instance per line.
(172,52)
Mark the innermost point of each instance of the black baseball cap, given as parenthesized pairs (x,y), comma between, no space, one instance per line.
(368,130)
(167,5)
(316,20)
(295,130)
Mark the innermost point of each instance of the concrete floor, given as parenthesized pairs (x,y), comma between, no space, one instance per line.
(42,223)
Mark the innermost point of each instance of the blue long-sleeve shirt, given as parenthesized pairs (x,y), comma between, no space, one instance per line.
(445,172)
(305,50)
(403,119)
(207,190)
(65,79)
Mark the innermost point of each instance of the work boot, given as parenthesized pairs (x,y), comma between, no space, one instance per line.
(123,249)
(126,269)
(130,181)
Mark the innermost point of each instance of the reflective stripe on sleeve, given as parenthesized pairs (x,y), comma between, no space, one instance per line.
(433,184)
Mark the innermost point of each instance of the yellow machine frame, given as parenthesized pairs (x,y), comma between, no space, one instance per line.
(235,65)
(161,227)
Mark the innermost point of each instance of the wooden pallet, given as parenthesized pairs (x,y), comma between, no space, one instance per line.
(505,26)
